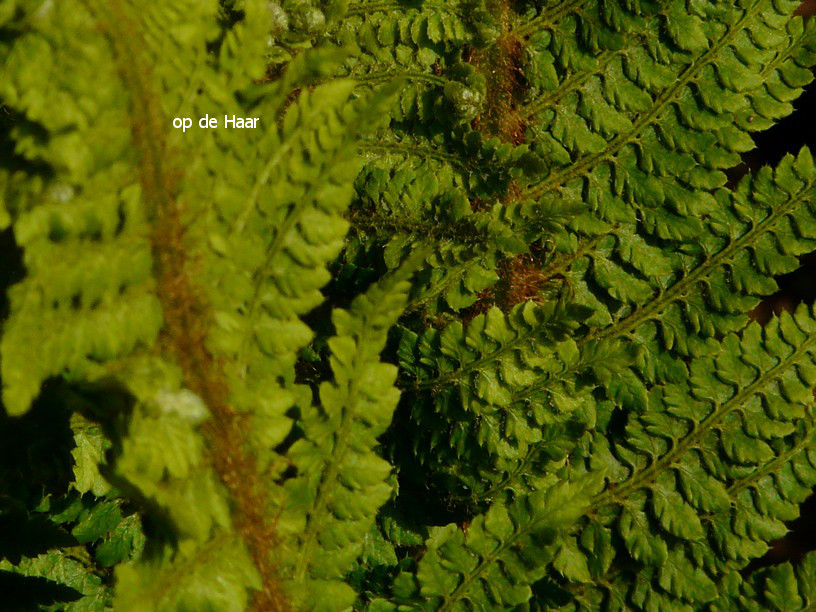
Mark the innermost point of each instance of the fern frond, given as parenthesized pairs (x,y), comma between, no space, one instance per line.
(58,576)
(769,220)
(691,109)
(502,553)
(111,259)
(704,290)
(498,392)
(407,43)
(754,236)
(673,303)
(341,482)
(788,586)
(58,555)
(704,479)
(540,229)
(88,455)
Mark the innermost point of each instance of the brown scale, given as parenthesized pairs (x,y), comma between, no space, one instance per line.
(520,280)
(501,65)
(502,68)
(185,310)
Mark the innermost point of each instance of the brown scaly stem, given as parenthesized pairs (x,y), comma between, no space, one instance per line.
(500,64)
(185,309)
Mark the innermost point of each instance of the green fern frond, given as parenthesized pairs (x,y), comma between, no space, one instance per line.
(705,478)
(341,482)
(788,586)
(501,553)
(57,576)
(110,257)
(502,388)
(531,208)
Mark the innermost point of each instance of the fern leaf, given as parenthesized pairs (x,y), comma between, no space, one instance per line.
(675,111)
(340,485)
(56,556)
(543,233)
(110,258)
(502,552)
(505,384)
(715,283)
(788,586)
(55,575)
(705,478)
(406,42)
(757,236)
(88,454)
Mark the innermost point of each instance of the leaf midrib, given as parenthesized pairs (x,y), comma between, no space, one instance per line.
(646,477)
(664,99)
(316,520)
(547,18)
(709,265)
(777,462)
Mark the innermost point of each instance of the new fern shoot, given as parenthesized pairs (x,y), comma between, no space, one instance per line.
(458,319)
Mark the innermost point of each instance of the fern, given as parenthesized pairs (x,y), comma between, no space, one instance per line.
(784,587)
(337,493)
(463,323)
(500,556)
(708,488)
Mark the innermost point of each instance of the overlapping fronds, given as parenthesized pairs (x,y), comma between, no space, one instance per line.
(504,391)
(462,323)
(341,481)
(704,480)
(179,264)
